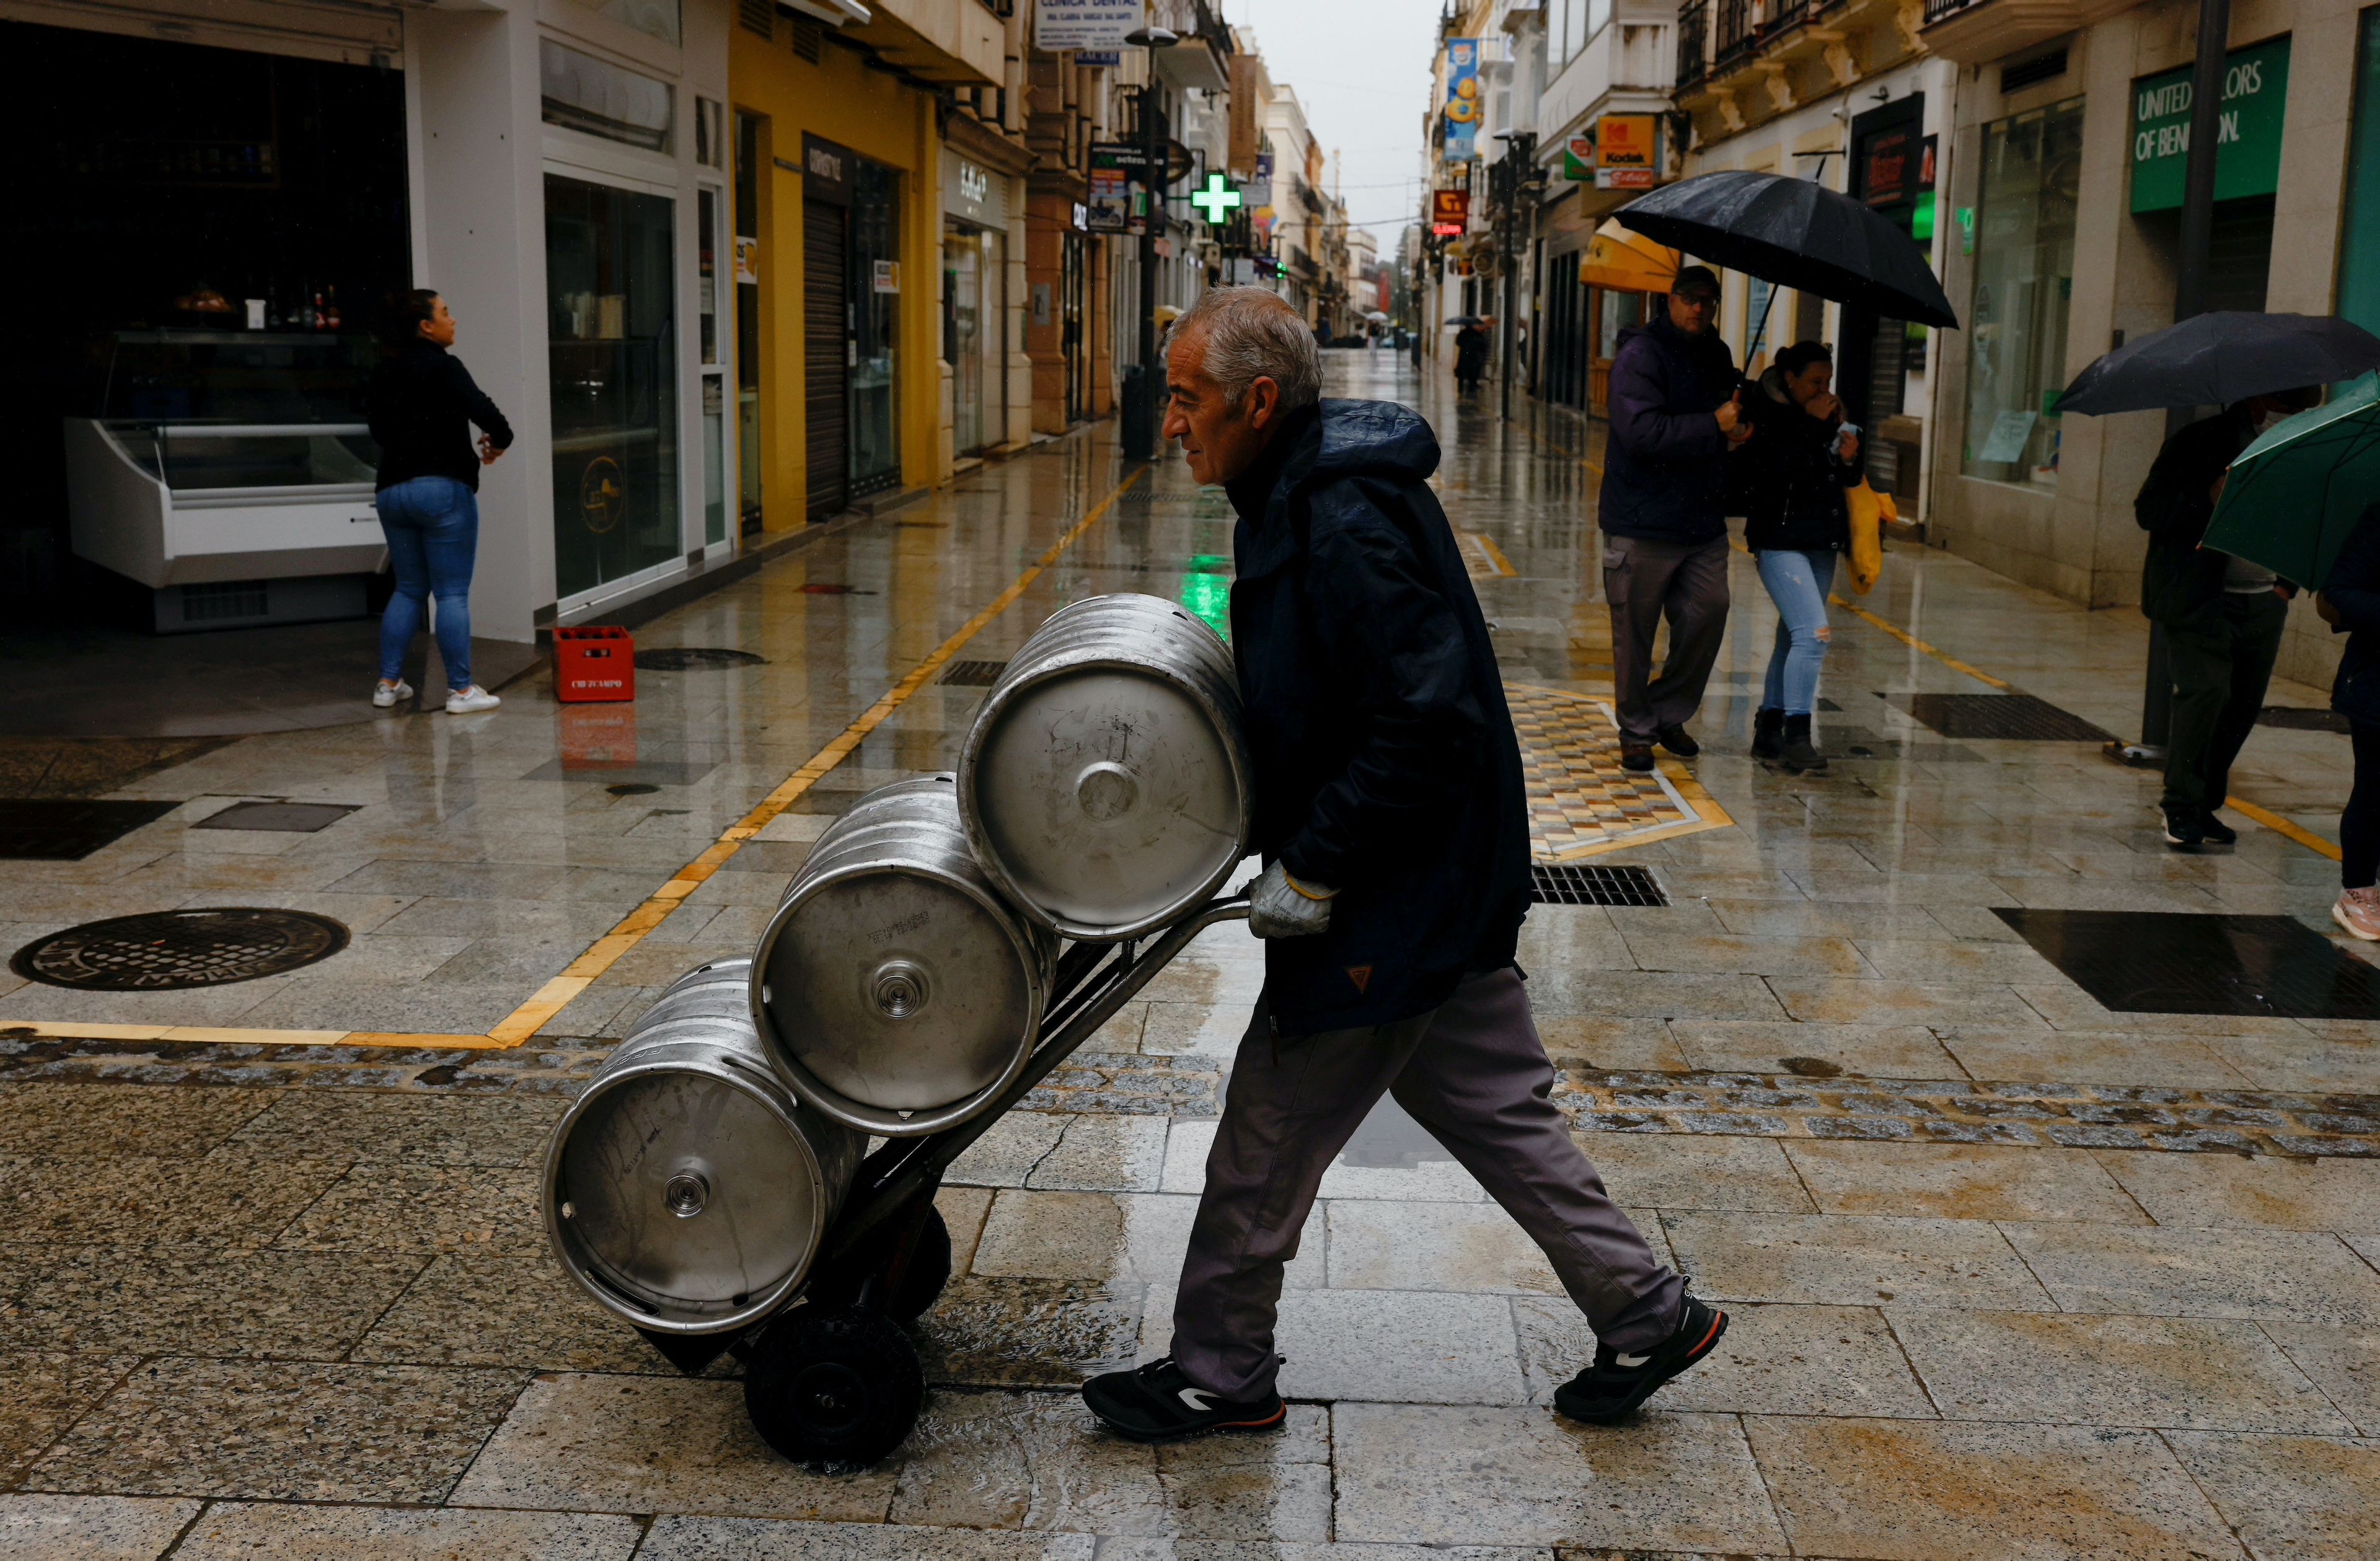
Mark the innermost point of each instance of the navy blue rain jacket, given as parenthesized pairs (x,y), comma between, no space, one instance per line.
(1665,467)
(1384,757)
(2354,591)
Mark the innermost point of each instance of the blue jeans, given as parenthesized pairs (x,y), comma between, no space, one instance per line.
(1798,584)
(432,525)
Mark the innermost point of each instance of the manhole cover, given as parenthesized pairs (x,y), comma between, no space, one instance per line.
(68,828)
(2167,962)
(2299,717)
(174,950)
(973,674)
(2007,717)
(1594,886)
(694,659)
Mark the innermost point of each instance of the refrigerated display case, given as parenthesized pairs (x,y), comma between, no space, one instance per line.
(232,473)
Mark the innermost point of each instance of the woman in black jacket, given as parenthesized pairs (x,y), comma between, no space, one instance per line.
(2350,604)
(1792,477)
(422,405)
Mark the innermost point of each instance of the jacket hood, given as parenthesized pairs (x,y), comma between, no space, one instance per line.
(1772,380)
(1373,436)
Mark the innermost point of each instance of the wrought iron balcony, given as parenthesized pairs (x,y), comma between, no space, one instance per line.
(1693,42)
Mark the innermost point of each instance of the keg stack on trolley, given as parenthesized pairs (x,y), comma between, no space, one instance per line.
(949,941)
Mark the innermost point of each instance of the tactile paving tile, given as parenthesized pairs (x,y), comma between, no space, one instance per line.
(1581,801)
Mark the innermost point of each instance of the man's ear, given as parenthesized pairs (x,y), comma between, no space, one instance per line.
(1264,400)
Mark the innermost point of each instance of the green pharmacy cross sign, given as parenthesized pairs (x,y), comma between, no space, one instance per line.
(1216,199)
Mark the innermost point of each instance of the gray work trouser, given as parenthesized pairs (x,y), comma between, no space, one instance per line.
(1476,1075)
(1645,581)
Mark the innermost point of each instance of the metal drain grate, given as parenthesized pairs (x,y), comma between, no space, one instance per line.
(176,950)
(694,659)
(973,674)
(2167,962)
(68,828)
(1594,886)
(2301,718)
(2007,717)
(288,817)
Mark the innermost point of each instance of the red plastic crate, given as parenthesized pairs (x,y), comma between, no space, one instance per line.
(593,664)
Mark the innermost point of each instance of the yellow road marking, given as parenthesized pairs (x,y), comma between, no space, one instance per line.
(633,928)
(1905,637)
(2283,828)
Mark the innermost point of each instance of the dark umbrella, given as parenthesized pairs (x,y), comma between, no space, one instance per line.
(1795,233)
(1465,319)
(2215,359)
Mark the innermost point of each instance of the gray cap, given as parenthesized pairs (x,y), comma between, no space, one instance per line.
(1696,279)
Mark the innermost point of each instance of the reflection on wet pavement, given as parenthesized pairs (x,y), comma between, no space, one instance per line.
(2011,1272)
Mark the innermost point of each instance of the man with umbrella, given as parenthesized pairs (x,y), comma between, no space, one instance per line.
(1674,417)
(2222,614)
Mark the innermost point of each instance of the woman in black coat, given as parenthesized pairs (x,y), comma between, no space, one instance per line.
(2350,604)
(1791,478)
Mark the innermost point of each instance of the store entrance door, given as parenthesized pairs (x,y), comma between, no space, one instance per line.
(1074,333)
(826,357)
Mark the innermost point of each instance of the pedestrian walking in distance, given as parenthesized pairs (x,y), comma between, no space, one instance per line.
(1391,821)
(422,404)
(1675,416)
(2350,603)
(2222,615)
(1470,356)
(1792,476)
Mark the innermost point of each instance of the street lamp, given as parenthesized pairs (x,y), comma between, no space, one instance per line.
(1512,171)
(1140,432)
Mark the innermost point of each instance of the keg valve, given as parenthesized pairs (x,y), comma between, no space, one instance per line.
(1106,791)
(686,1194)
(899,988)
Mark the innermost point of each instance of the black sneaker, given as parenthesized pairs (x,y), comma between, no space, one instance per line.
(2217,831)
(1157,1403)
(1677,741)
(1636,756)
(1610,1390)
(2184,829)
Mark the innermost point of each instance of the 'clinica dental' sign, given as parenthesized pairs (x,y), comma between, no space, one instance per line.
(2248,129)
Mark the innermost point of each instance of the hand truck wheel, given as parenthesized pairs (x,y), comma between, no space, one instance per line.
(838,1387)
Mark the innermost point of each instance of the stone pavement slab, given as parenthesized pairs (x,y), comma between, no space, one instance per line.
(1838,1261)
(250,1531)
(2308,1498)
(44,1527)
(1960,1181)
(2286,1276)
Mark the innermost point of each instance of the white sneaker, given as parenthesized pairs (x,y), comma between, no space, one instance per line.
(464,701)
(388,693)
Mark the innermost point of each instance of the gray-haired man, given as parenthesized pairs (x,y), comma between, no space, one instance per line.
(1390,816)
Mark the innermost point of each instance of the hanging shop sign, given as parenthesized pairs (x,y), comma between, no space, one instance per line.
(747,259)
(1085,24)
(1624,151)
(1110,206)
(1578,159)
(2248,129)
(1450,212)
(1463,110)
(884,276)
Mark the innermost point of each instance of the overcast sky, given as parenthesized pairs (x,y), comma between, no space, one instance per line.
(1362,71)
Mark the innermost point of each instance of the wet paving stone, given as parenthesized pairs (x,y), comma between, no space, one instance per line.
(280,1432)
(256,1531)
(1027,1332)
(211,1301)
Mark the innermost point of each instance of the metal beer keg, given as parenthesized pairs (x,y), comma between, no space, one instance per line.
(893,989)
(1105,781)
(687,1190)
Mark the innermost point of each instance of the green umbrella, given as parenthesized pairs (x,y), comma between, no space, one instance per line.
(2293,496)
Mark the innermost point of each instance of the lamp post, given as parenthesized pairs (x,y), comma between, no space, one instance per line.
(1509,176)
(1140,434)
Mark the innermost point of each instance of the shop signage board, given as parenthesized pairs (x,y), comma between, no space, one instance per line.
(1464,109)
(1085,24)
(747,259)
(1578,159)
(1110,206)
(1450,212)
(885,276)
(1624,151)
(2248,129)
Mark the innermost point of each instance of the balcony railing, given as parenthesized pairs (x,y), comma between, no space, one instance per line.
(1937,9)
(1738,33)
(1693,42)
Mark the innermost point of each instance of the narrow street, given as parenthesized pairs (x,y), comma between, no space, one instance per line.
(2014,1271)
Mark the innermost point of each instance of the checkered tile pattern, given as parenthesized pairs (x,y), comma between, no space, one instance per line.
(1581,802)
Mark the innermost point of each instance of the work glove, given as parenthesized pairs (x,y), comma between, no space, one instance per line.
(1279,906)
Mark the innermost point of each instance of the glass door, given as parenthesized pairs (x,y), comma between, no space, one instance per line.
(612,362)
(714,374)
(873,299)
(747,319)
(963,337)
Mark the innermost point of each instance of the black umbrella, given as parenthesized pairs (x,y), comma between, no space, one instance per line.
(1461,319)
(2214,360)
(1795,233)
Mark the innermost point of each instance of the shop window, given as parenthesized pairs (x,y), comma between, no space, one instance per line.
(2025,279)
(581,92)
(2359,256)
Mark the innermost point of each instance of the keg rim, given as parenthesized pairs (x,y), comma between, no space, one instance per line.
(1005,692)
(593,1277)
(833,1103)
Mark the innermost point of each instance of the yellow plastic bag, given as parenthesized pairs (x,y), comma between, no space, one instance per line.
(1869,509)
